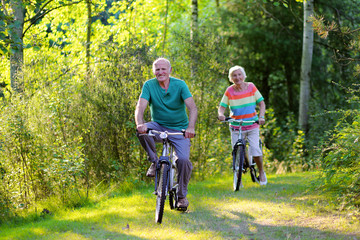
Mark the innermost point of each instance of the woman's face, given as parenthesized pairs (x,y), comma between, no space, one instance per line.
(237,76)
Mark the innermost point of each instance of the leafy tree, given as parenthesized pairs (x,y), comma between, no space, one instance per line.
(265,38)
(332,73)
(340,152)
(17,17)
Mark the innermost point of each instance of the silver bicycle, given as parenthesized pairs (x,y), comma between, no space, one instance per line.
(166,183)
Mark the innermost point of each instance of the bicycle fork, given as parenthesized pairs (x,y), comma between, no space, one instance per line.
(163,160)
(238,144)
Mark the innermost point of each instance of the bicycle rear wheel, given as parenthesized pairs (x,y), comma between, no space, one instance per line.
(173,188)
(161,192)
(238,167)
(254,173)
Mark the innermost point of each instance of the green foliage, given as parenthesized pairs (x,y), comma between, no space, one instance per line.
(285,143)
(40,155)
(200,65)
(340,150)
(108,112)
(265,26)
(341,161)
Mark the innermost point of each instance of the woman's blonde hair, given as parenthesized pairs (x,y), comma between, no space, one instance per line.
(231,70)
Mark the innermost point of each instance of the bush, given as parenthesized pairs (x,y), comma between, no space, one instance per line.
(341,161)
(285,144)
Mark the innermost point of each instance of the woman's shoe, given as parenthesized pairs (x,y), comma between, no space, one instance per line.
(263,183)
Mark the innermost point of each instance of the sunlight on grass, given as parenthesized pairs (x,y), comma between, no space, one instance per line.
(133,206)
(159,232)
(69,235)
(39,231)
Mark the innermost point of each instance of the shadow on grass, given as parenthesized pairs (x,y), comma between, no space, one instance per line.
(68,229)
(291,190)
(243,226)
(284,189)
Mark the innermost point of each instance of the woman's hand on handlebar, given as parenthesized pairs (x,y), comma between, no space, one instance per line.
(141,128)
(221,118)
(261,121)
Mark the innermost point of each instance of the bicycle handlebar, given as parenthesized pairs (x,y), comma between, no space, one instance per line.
(166,132)
(229,119)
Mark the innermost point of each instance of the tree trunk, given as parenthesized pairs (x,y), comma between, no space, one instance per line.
(308,41)
(165,26)
(17,50)
(88,38)
(193,36)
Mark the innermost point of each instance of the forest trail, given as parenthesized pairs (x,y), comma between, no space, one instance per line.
(281,210)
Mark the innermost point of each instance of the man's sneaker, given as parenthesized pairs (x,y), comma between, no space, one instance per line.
(151,171)
(182,204)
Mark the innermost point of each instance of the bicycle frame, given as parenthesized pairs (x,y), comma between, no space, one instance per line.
(249,159)
(167,156)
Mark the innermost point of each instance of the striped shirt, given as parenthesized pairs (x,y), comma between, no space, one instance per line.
(242,105)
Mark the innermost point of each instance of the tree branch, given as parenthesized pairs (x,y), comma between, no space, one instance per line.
(40,15)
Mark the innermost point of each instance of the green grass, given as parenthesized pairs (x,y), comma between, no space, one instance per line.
(281,210)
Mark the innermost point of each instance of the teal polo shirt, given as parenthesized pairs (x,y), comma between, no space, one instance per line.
(167,109)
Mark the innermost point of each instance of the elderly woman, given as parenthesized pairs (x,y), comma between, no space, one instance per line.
(242,98)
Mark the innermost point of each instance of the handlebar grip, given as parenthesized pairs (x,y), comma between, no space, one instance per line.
(183,131)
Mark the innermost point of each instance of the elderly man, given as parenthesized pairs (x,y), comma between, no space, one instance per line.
(167,98)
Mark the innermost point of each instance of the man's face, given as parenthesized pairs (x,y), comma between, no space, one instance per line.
(162,71)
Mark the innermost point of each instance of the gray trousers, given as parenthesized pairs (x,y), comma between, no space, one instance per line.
(182,149)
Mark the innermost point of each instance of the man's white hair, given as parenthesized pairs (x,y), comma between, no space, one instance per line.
(161,59)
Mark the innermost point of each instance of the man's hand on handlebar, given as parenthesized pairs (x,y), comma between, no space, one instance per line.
(141,128)
(189,133)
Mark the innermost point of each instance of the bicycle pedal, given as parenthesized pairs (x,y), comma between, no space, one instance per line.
(181,209)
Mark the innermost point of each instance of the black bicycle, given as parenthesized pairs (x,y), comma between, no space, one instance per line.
(242,160)
(166,175)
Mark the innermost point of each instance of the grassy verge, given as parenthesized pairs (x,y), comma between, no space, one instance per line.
(281,210)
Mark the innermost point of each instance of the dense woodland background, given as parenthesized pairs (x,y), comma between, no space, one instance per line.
(71,73)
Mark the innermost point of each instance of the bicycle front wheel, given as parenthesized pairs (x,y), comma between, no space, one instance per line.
(238,167)
(161,192)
